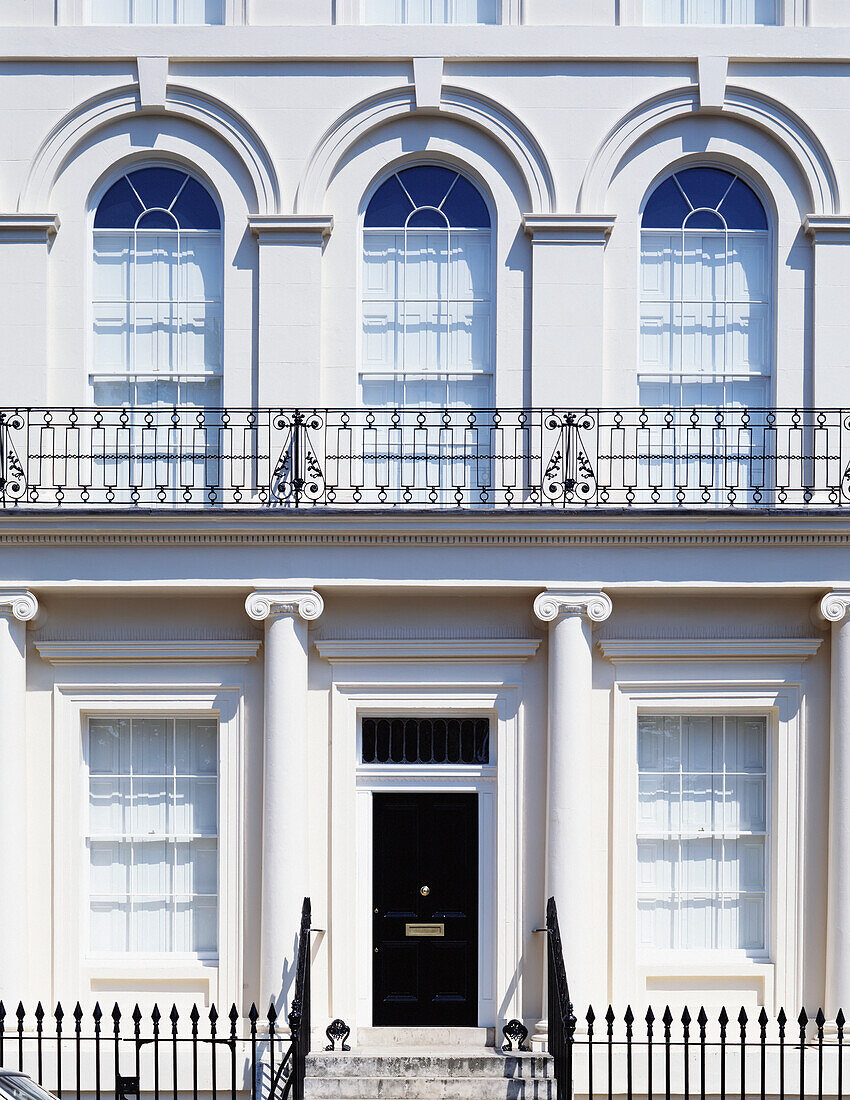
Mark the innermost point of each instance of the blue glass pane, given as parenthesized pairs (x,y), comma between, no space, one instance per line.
(389,206)
(119,207)
(666,208)
(427,184)
(705,186)
(157,219)
(465,208)
(427,219)
(157,186)
(704,219)
(195,208)
(742,208)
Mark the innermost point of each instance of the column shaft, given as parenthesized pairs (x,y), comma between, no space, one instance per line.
(15,610)
(838,906)
(286,864)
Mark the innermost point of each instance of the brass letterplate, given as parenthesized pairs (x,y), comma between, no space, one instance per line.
(424,930)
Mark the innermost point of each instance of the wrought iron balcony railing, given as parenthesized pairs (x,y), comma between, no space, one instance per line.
(122,458)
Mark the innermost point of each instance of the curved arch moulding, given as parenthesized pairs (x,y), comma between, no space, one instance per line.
(456,103)
(771,117)
(119,103)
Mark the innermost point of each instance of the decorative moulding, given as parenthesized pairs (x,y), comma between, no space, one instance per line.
(19,603)
(153,81)
(269,603)
(712,73)
(291,228)
(28,227)
(557,603)
(428,81)
(446,649)
(827,228)
(568,228)
(717,649)
(84,652)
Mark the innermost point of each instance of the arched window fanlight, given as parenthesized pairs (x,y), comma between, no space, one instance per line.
(426,291)
(705,292)
(157,291)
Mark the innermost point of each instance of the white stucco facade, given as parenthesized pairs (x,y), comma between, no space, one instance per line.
(562,625)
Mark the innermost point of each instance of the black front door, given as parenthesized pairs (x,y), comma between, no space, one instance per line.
(425,910)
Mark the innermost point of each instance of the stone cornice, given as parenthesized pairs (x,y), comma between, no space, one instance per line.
(376,528)
(18,603)
(828,228)
(555,603)
(271,603)
(568,228)
(416,649)
(618,650)
(291,228)
(28,227)
(235,651)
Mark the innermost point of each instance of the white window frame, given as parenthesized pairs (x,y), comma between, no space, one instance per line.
(75,13)
(399,374)
(130,376)
(791,13)
(352,12)
(127,840)
(77,967)
(664,955)
(770,286)
(763,678)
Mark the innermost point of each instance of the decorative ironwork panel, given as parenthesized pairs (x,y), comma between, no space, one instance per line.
(457,458)
(426,741)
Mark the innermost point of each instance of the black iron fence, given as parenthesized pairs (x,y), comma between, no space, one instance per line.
(167,1052)
(739,1055)
(424,458)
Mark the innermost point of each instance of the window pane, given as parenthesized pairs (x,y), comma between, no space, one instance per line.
(109,806)
(109,925)
(135,885)
(109,746)
(701,874)
(152,746)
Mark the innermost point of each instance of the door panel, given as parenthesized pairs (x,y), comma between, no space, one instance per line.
(425,840)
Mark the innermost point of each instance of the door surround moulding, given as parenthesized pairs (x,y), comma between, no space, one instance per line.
(438,684)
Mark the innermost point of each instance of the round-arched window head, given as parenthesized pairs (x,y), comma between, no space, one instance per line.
(704,198)
(705,293)
(427,196)
(157,291)
(427,293)
(157,198)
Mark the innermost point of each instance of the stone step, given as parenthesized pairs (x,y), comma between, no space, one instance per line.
(428,1088)
(426,1038)
(429,1075)
(481,1063)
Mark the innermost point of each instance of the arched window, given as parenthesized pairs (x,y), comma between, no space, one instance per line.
(705,293)
(156,11)
(427,336)
(432,11)
(157,291)
(706,12)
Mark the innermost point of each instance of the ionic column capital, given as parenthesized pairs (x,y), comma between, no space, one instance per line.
(555,604)
(18,603)
(833,607)
(305,603)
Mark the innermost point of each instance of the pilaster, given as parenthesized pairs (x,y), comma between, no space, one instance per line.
(567,298)
(17,608)
(290,308)
(830,322)
(832,609)
(24,247)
